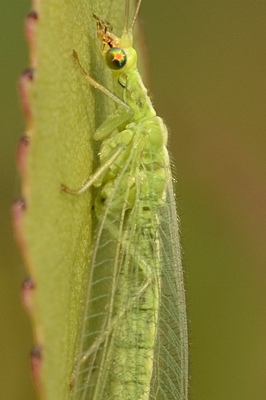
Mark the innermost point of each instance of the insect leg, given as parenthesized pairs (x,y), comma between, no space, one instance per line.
(99,172)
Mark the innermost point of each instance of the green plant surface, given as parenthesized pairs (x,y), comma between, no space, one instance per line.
(56,227)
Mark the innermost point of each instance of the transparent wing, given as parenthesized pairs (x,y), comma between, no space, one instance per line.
(110,297)
(170,373)
(133,343)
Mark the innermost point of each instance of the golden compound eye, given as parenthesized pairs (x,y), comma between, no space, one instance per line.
(116,58)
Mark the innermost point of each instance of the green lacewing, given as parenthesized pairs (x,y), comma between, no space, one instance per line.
(133,344)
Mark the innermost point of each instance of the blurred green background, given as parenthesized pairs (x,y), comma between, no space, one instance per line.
(207,63)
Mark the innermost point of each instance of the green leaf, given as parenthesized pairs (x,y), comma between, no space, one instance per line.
(62,112)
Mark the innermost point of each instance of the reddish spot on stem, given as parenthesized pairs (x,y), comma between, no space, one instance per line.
(25,83)
(33,15)
(17,212)
(35,361)
(22,153)
(30,31)
(28,287)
